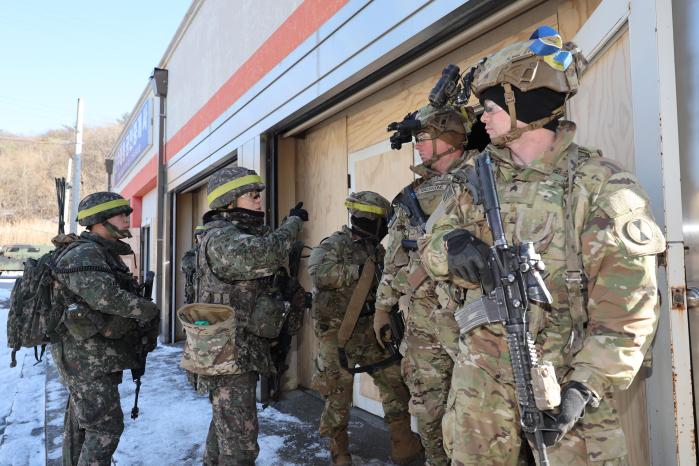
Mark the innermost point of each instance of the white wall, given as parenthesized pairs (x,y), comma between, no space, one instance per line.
(222,35)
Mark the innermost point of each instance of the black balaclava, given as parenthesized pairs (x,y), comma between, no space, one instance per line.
(530,106)
(373,229)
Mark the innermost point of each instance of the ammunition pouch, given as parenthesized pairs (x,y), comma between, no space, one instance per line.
(82,322)
(209,349)
(267,319)
(116,327)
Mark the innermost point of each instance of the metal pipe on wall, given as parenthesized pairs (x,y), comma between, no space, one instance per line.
(159,81)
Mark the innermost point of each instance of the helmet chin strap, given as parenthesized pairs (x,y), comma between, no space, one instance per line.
(115,232)
(436,156)
(516,132)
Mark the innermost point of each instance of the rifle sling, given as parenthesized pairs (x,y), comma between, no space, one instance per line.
(369,368)
(356,303)
(575,279)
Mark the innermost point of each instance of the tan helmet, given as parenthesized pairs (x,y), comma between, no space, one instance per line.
(447,123)
(229,183)
(543,61)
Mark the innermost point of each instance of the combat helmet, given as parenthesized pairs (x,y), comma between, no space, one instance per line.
(101,206)
(229,183)
(543,62)
(369,213)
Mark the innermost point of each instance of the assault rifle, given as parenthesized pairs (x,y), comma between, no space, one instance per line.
(408,200)
(146,291)
(516,272)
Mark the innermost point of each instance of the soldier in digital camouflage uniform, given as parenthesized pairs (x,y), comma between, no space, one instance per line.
(189,260)
(102,325)
(335,267)
(430,342)
(237,257)
(591,222)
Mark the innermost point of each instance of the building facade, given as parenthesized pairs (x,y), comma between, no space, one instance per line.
(302,92)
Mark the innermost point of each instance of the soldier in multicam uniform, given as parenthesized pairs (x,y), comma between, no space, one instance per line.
(591,222)
(335,267)
(103,322)
(237,257)
(430,342)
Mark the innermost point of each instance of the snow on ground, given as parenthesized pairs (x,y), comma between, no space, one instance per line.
(21,400)
(173,421)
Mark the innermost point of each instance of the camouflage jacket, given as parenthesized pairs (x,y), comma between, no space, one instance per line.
(237,257)
(399,263)
(618,241)
(334,267)
(100,325)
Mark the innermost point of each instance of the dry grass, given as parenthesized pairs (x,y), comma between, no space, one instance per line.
(28,231)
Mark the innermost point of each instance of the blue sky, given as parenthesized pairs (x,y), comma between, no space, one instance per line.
(52,52)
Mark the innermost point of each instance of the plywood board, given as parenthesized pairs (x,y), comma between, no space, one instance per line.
(386,172)
(183,242)
(572,14)
(602,107)
(367,120)
(286,179)
(631,404)
(321,183)
(603,112)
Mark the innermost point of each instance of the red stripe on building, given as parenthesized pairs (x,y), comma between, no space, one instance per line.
(303,22)
(141,184)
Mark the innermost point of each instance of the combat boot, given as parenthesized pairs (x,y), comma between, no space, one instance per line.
(339,452)
(405,445)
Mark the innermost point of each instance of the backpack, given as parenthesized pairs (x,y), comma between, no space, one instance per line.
(33,318)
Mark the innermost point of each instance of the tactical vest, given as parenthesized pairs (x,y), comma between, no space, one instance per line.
(259,313)
(411,280)
(209,288)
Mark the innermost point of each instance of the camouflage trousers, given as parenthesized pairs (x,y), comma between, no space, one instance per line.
(335,383)
(232,437)
(93,421)
(482,424)
(430,344)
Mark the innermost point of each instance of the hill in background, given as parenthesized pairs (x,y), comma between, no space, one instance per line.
(28,166)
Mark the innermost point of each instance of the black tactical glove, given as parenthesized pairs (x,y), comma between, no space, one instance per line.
(467,258)
(574,398)
(299,211)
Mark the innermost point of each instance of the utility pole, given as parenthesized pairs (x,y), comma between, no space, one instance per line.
(75,181)
(68,207)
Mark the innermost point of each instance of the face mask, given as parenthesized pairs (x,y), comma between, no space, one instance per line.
(369,228)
